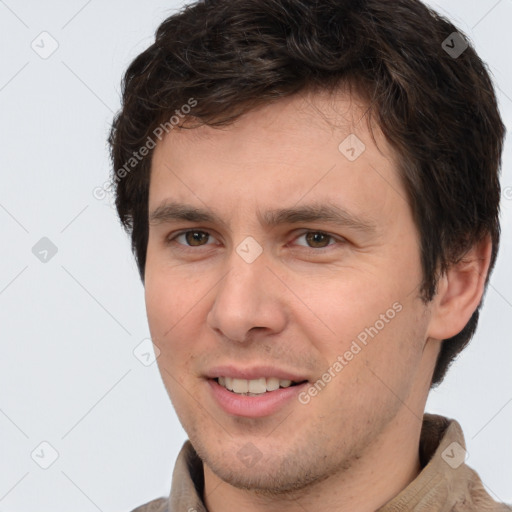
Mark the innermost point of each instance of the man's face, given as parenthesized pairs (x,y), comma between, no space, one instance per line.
(248,291)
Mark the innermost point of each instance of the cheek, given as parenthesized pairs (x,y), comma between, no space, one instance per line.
(169,325)
(339,310)
(176,312)
(163,312)
(374,340)
(160,308)
(170,298)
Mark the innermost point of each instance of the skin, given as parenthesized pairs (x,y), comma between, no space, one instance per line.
(298,306)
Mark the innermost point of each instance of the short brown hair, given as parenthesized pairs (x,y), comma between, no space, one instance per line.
(437,109)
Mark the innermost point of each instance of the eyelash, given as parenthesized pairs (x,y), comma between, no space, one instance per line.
(184,247)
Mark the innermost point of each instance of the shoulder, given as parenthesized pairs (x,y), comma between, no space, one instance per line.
(158,505)
(479,499)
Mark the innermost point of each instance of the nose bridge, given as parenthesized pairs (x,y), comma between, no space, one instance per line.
(243,282)
(245,298)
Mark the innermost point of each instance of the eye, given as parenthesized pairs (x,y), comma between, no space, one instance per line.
(191,238)
(197,238)
(316,239)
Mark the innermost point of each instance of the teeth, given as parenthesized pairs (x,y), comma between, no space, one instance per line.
(240,385)
(254,386)
(272,384)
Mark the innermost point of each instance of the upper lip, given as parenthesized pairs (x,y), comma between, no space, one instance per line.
(253,372)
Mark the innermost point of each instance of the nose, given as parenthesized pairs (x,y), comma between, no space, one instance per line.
(249,298)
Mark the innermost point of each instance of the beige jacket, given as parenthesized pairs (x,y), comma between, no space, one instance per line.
(445,484)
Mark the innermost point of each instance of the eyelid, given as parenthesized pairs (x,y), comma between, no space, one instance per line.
(172,237)
(337,239)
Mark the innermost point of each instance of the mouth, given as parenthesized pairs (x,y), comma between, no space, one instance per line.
(255,387)
(254,392)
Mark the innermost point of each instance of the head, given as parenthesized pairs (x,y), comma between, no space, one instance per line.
(241,108)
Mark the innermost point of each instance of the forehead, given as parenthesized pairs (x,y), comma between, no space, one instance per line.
(304,147)
(285,121)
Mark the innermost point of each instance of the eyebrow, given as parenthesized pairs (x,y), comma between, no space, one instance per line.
(315,212)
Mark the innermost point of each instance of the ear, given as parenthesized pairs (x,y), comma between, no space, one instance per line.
(460,291)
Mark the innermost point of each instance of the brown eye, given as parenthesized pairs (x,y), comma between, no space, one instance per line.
(196,238)
(317,239)
(191,239)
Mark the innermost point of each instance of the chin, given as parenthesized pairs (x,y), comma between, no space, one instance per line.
(273,474)
(290,480)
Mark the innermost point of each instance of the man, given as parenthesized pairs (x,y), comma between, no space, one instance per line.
(312,193)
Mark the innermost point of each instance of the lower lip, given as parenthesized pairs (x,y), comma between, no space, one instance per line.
(254,406)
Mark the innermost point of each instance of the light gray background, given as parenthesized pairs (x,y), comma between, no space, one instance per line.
(68,375)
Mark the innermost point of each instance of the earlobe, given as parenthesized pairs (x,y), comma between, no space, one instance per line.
(460,291)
